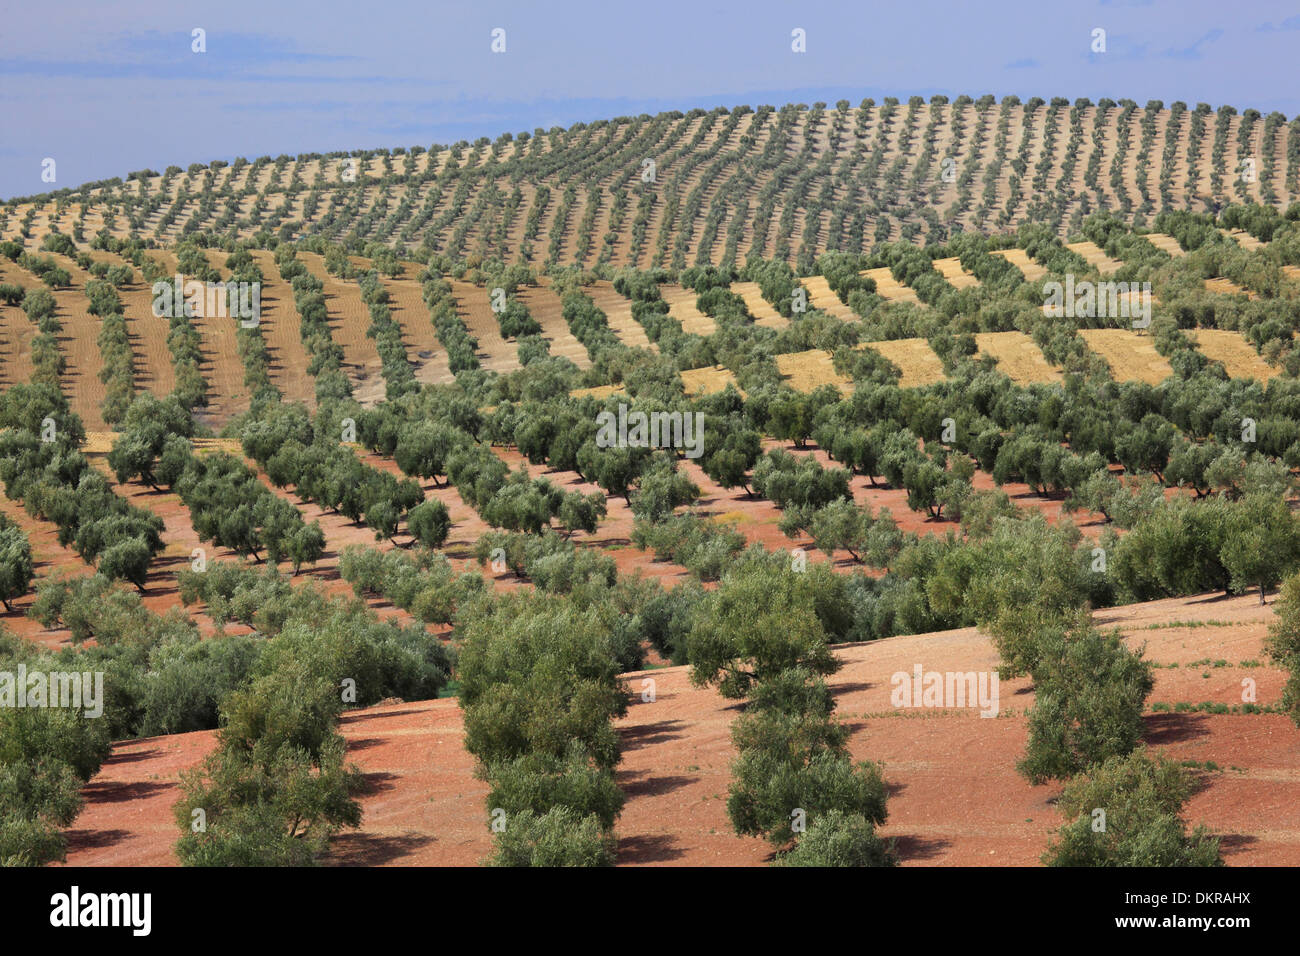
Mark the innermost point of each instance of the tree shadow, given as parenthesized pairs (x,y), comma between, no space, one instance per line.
(354,716)
(378,781)
(121,758)
(851,687)
(1233,843)
(911,847)
(368,849)
(121,791)
(94,839)
(651,786)
(634,738)
(648,849)
(1173,728)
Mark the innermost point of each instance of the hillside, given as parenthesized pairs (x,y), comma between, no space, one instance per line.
(676,189)
(961,379)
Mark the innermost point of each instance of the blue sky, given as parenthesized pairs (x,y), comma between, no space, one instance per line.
(109,88)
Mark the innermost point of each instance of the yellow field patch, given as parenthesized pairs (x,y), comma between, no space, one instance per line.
(951,269)
(1031,270)
(101,443)
(805,371)
(1237,355)
(1131,357)
(889,288)
(618,312)
(98,443)
(821,297)
(914,357)
(1095,256)
(1244,239)
(1228,287)
(1166,244)
(681,306)
(695,381)
(600,391)
(764,312)
(1018,357)
(706,381)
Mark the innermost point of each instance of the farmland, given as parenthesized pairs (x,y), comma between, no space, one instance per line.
(873,448)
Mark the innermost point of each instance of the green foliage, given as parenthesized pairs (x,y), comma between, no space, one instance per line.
(539,781)
(1126,812)
(1284,644)
(837,838)
(1090,691)
(276,811)
(539,687)
(46,755)
(762,620)
(537,673)
(559,837)
(16,568)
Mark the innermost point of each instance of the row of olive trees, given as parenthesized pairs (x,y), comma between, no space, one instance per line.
(539,688)
(764,635)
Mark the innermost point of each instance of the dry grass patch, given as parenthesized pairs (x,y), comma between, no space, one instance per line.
(681,306)
(1237,355)
(695,381)
(282,331)
(889,288)
(706,381)
(410,311)
(599,392)
(1166,244)
(1095,256)
(16,334)
(764,312)
(806,371)
(821,297)
(1244,239)
(349,319)
(618,311)
(1228,287)
(1031,270)
(1131,357)
(474,306)
(951,269)
(545,307)
(919,364)
(1018,356)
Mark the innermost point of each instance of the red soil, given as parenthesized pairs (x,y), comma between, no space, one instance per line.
(955,795)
